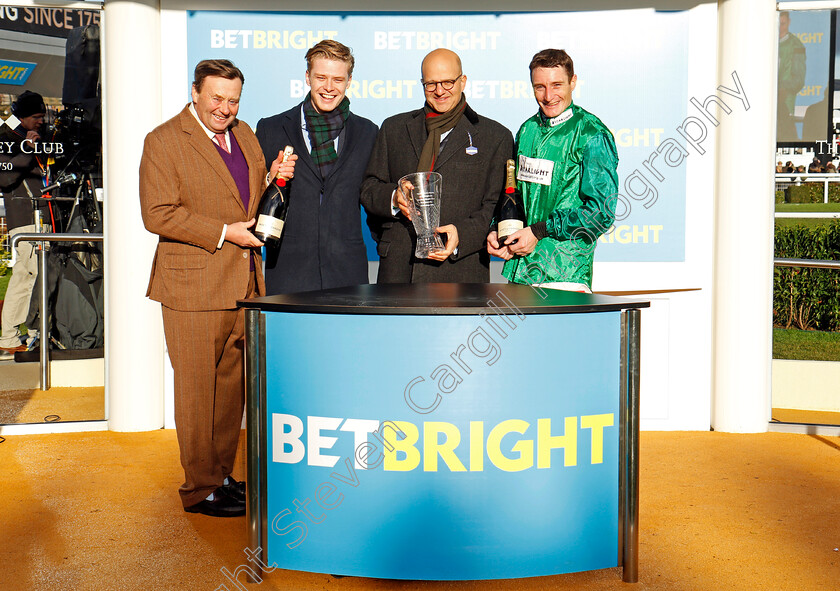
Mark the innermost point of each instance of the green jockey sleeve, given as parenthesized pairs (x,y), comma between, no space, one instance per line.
(597,193)
(791,72)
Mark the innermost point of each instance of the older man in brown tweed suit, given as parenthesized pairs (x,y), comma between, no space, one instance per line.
(201,177)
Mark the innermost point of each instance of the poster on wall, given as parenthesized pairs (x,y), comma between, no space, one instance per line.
(644,105)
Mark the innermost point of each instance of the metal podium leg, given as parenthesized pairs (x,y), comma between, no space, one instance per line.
(262,419)
(253,379)
(629,470)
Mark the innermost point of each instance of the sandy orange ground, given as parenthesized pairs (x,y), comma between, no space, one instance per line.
(56,404)
(718,511)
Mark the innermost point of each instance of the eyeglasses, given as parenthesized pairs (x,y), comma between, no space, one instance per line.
(446,84)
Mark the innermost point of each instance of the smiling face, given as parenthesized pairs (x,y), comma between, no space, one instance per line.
(552,89)
(328,80)
(443,65)
(217,103)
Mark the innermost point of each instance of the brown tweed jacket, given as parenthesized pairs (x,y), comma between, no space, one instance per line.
(186,196)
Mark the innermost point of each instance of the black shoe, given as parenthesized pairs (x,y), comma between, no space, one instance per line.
(235,489)
(222,505)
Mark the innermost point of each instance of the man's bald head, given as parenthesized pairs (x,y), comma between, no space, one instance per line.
(441,68)
(440,57)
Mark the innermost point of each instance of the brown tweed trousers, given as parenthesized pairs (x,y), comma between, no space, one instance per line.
(187,194)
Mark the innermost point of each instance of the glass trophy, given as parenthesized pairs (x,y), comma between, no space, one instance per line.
(422,191)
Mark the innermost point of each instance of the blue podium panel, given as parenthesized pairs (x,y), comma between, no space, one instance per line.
(442,447)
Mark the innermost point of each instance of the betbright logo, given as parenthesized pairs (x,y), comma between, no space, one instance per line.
(402,446)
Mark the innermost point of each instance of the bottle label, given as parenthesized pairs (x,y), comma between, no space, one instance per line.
(269,226)
(508,227)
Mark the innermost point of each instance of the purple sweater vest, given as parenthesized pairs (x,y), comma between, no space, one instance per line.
(238,167)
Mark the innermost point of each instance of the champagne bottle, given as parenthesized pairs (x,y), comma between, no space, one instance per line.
(511,214)
(274,205)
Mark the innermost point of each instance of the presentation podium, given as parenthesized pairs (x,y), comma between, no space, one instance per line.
(443,431)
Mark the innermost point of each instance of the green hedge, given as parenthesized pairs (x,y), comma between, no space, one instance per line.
(810,193)
(807,298)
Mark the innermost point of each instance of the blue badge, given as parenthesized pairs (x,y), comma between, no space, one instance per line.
(471,150)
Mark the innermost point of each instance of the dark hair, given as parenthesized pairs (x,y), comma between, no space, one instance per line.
(331,50)
(221,68)
(553,58)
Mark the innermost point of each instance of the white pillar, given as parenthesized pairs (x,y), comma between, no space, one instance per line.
(131,108)
(743,233)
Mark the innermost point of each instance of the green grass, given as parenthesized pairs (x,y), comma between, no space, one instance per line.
(807,207)
(806,344)
(807,222)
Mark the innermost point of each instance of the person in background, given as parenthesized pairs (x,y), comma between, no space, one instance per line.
(22,176)
(791,79)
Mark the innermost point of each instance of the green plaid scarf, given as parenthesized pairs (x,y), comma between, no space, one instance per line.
(323,128)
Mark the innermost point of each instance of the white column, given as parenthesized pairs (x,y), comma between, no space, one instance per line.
(131,108)
(743,232)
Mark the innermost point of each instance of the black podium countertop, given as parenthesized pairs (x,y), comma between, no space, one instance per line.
(441,299)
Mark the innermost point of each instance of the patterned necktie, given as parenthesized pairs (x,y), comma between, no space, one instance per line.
(220,137)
